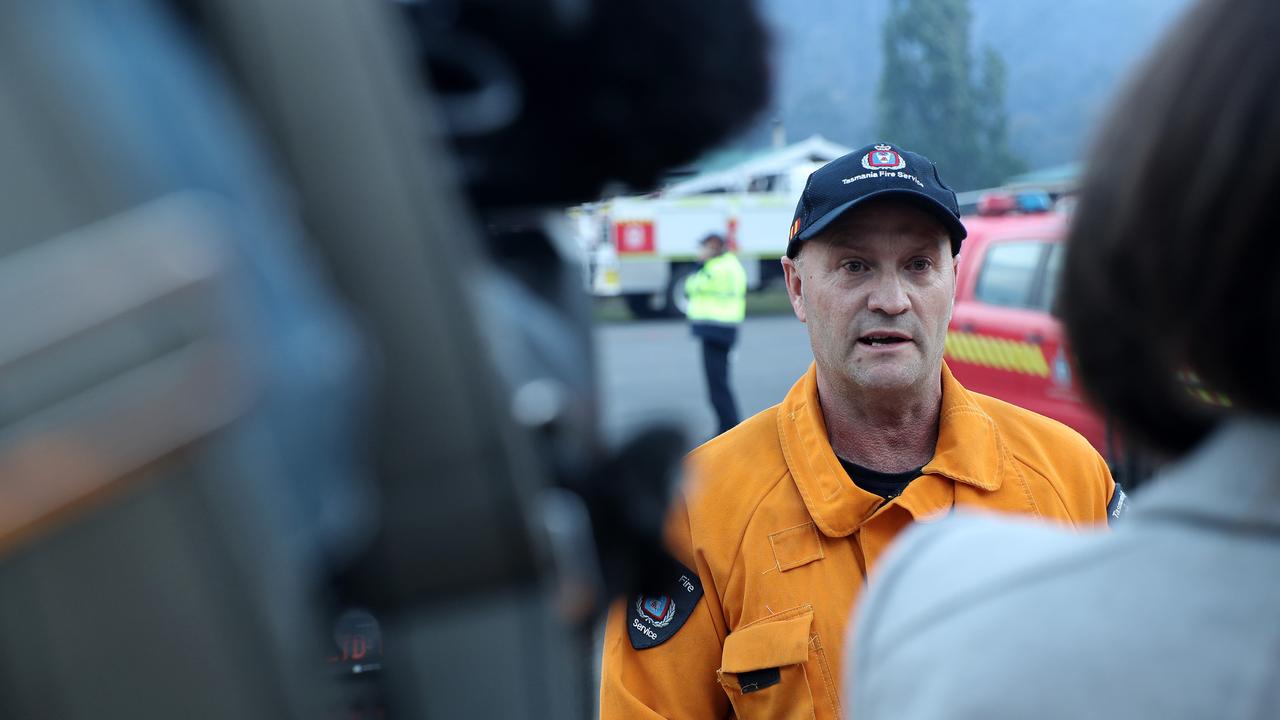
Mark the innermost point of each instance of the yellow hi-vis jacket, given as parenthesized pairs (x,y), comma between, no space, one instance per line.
(718,291)
(777,542)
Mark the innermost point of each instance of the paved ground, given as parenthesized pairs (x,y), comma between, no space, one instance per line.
(652,372)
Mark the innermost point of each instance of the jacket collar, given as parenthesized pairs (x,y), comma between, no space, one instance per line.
(969,451)
(1232,478)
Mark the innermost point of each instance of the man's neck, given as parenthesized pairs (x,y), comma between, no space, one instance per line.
(889,433)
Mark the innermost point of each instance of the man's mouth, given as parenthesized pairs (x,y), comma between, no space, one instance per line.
(883,339)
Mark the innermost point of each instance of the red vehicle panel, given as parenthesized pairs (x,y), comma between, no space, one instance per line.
(1003,340)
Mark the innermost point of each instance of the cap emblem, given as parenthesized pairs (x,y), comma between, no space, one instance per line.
(884,157)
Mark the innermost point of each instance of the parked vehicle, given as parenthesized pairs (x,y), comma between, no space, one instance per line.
(642,247)
(1004,340)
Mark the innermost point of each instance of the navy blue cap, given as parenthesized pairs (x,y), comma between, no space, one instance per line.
(874,171)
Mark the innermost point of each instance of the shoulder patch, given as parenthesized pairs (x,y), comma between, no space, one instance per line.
(654,619)
(1119,505)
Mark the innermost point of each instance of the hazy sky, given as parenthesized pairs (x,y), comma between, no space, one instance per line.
(1064,61)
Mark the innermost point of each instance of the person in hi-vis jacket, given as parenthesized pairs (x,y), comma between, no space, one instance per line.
(717,304)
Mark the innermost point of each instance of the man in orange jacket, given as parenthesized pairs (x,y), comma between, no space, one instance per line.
(783,516)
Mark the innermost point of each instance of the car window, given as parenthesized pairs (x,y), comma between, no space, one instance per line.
(1052,269)
(1008,274)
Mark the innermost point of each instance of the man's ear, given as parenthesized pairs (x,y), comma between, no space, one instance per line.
(791,273)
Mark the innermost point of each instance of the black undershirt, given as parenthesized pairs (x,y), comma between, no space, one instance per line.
(886,485)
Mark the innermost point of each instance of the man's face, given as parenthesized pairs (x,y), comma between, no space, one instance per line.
(876,290)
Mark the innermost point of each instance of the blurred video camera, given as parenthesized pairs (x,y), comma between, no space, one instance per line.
(298,363)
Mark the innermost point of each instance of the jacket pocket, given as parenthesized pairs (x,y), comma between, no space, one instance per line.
(762,669)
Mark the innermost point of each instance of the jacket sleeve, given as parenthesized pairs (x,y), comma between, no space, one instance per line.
(1106,489)
(674,679)
(697,282)
(1083,483)
(739,279)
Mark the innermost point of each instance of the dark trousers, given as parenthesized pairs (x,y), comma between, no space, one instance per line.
(715,363)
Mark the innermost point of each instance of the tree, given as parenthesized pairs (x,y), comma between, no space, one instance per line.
(931,100)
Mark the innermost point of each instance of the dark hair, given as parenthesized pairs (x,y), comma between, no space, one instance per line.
(715,238)
(1165,270)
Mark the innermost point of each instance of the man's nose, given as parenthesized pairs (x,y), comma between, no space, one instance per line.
(888,296)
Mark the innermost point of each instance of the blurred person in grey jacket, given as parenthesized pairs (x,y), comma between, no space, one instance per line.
(1170,273)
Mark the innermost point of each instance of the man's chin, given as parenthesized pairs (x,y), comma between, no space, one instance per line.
(889,379)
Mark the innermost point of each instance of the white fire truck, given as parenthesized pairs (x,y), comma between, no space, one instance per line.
(642,247)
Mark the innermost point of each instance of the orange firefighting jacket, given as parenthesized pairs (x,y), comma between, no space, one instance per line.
(781,540)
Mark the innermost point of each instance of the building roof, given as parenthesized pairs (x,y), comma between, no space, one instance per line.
(736,173)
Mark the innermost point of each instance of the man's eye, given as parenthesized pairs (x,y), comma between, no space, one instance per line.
(920,264)
(855,266)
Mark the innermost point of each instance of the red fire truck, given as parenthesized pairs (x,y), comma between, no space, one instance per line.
(1004,340)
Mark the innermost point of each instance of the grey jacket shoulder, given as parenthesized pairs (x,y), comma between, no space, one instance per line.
(1172,615)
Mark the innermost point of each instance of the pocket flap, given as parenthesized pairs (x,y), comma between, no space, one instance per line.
(767,645)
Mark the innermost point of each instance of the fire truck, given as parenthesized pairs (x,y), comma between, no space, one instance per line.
(1004,340)
(642,247)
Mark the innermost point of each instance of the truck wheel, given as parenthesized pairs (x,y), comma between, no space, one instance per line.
(641,306)
(771,273)
(676,303)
